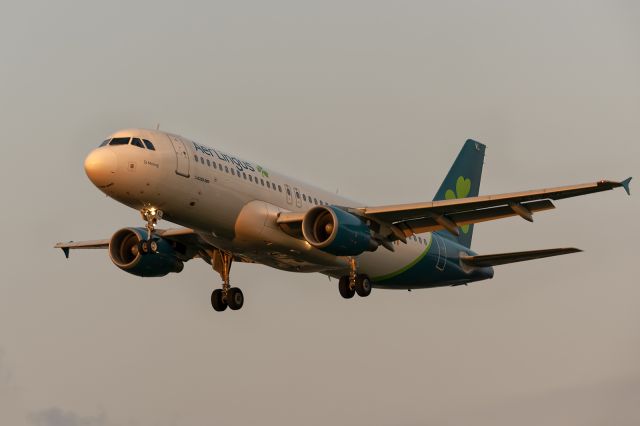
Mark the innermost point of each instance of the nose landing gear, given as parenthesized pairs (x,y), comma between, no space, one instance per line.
(227,295)
(151,215)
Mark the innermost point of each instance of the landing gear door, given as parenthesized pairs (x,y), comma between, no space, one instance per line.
(182,157)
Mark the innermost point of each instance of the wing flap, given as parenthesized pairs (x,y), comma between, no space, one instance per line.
(482,261)
(431,224)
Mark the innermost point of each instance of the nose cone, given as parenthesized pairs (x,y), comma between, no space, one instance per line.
(100,166)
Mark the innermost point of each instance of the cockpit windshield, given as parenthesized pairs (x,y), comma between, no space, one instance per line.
(119,141)
(140,143)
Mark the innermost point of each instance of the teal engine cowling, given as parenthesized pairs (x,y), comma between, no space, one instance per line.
(125,253)
(335,231)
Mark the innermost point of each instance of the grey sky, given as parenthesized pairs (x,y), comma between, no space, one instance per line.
(372,97)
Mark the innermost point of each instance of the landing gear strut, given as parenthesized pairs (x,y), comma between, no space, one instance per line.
(151,215)
(227,295)
(349,285)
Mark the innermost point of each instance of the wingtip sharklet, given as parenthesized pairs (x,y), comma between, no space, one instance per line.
(625,185)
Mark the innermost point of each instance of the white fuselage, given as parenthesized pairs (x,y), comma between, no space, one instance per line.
(231,203)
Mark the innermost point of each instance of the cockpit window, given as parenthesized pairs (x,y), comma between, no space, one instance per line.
(148,144)
(119,141)
(105,142)
(137,142)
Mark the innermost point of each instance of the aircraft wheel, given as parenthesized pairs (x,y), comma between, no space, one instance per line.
(235,298)
(216,301)
(344,287)
(143,247)
(153,246)
(363,285)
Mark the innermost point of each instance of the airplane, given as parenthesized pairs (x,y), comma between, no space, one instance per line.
(233,210)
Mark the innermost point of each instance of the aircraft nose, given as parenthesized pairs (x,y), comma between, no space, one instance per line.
(100,166)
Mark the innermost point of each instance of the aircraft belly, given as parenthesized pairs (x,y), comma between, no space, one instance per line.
(385,264)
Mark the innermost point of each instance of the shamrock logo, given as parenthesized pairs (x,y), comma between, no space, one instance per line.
(463,187)
(263,172)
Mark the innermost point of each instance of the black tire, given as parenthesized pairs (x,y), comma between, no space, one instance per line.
(216,301)
(344,287)
(143,247)
(363,285)
(235,298)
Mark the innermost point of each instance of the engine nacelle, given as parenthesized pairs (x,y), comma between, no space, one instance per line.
(125,254)
(336,231)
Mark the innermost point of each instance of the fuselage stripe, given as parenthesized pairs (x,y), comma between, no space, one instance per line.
(405,268)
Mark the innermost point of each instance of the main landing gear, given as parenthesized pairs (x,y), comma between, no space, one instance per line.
(349,285)
(227,295)
(151,215)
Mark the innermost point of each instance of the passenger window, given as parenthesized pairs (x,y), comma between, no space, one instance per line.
(262,181)
(233,172)
(137,142)
(226,169)
(119,141)
(208,163)
(288,191)
(202,160)
(214,165)
(196,157)
(250,178)
(268,185)
(244,175)
(148,144)
(105,142)
(279,188)
(304,197)
(315,201)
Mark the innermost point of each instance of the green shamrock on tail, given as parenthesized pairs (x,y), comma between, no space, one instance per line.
(463,187)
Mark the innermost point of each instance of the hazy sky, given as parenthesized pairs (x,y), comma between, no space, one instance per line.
(374,98)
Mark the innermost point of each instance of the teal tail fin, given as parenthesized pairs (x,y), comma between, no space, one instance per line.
(462,181)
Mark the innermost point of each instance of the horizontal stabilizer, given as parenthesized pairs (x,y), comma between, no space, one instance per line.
(518,256)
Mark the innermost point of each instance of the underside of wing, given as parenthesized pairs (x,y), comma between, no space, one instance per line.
(451,214)
(482,261)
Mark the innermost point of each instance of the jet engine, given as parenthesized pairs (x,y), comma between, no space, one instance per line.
(126,253)
(336,231)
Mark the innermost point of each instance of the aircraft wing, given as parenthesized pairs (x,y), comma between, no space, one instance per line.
(185,236)
(194,245)
(450,214)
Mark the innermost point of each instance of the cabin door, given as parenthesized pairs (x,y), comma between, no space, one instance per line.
(182,156)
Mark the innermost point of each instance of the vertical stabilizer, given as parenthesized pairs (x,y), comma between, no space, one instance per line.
(462,181)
